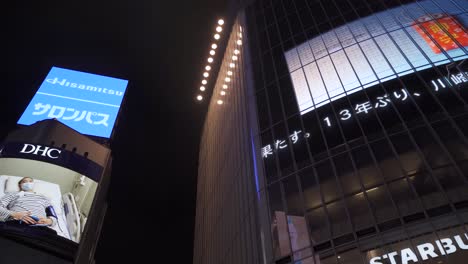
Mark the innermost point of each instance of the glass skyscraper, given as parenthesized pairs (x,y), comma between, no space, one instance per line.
(341,137)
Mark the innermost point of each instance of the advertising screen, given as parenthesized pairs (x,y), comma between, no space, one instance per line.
(377,48)
(46,193)
(88,103)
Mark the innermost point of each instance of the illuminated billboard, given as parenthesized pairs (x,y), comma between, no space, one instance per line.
(88,103)
(46,193)
(377,48)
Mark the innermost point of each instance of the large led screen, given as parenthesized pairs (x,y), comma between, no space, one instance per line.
(88,103)
(377,48)
(46,193)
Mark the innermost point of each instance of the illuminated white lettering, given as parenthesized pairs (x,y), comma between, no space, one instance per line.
(49,153)
(64,82)
(56,81)
(327,120)
(407,254)
(426,250)
(375,260)
(460,242)
(391,257)
(91,88)
(42,151)
(26,146)
(448,245)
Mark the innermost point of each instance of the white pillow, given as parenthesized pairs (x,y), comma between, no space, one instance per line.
(11,184)
(3,179)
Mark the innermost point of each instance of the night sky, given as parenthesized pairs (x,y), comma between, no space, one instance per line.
(161,48)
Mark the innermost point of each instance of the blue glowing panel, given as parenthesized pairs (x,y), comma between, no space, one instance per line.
(88,103)
(377,48)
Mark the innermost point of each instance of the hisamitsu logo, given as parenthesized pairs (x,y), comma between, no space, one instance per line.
(65,83)
(88,103)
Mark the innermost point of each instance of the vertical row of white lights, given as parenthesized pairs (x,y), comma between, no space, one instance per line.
(206,73)
(232,64)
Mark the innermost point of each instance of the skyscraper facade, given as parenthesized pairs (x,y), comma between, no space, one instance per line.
(341,136)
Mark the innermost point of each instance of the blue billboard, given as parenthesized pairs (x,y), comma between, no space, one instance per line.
(88,103)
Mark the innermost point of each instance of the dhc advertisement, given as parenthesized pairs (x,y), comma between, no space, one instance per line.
(46,193)
(377,48)
(88,103)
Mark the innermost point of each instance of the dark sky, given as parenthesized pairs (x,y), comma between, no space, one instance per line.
(160,47)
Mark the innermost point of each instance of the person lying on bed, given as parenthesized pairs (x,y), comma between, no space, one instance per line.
(27,207)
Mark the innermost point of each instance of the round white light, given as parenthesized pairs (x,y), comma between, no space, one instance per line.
(236,51)
(232,65)
(239,42)
(217,36)
(205,74)
(212,52)
(240,35)
(223,93)
(221,22)
(225,86)
(202,88)
(227,79)
(229,72)
(219,29)
(220,102)
(210,60)
(204,82)
(207,67)
(199,98)
(214,46)
(234,57)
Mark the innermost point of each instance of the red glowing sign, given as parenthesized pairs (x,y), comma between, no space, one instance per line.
(443,30)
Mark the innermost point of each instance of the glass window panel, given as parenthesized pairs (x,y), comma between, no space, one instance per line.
(282,147)
(269,156)
(275,103)
(327,181)
(359,211)
(432,151)
(298,142)
(273,35)
(287,93)
(293,197)
(388,163)
(453,142)
(381,204)
(339,220)
(350,257)
(310,188)
(427,189)
(404,198)
(315,136)
(369,174)
(409,158)
(348,178)
(262,109)
(317,220)
(462,122)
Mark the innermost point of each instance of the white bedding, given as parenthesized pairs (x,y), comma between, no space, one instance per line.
(51,190)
